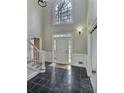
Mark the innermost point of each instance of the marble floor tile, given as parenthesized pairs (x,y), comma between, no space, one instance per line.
(59,80)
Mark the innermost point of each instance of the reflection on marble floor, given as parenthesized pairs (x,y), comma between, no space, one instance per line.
(64,66)
(59,80)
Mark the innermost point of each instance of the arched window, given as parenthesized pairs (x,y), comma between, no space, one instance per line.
(63,12)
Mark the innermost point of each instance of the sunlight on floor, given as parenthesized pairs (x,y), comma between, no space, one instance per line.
(64,66)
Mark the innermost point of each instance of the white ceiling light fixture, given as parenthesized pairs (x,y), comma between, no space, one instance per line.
(42,3)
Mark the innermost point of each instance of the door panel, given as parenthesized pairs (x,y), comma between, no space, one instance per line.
(61,53)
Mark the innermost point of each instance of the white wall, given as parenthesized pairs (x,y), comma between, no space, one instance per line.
(92,15)
(79,42)
(79,19)
(34,21)
(76,58)
(92,43)
(92,12)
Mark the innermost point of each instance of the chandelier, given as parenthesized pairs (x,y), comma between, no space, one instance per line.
(42,3)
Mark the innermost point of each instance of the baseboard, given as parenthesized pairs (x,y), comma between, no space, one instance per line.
(77,58)
(77,65)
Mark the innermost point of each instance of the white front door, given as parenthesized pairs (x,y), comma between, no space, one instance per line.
(62,50)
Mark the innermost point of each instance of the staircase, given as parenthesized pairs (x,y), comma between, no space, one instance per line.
(35,59)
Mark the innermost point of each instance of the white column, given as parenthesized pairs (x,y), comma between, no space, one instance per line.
(42,54)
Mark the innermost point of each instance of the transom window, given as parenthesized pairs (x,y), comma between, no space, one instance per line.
(62,35)
(63,12)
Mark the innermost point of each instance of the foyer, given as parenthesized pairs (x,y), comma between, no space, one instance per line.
(61,46)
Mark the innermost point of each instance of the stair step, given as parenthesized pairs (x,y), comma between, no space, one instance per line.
(34,66)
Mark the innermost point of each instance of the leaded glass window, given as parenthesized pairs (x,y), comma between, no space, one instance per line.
(63,12)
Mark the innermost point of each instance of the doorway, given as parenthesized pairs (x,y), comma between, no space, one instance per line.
(62,49)
(34,53)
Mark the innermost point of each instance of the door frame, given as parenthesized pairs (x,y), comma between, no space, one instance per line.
(53,38)
(39,39)
(89,33)
(40,44)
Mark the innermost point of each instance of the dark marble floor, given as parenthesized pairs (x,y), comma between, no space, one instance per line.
(57,80)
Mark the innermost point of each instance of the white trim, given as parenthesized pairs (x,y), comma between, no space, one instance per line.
(32,75)
(74,59)
(89,67)
(61,36)
(79,57)
(48,56)
(93,79)
(89,62)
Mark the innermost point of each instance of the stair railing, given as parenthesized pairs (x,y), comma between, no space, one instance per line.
(37,57)
(34,52)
